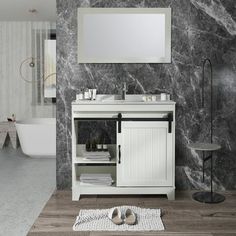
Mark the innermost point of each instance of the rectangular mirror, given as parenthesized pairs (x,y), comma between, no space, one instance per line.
(124,35)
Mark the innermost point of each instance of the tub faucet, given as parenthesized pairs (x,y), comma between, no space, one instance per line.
(123,91)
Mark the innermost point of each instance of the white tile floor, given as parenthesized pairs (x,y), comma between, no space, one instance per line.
(26,184)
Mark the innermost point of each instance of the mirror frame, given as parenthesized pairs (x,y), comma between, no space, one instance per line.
(83,11)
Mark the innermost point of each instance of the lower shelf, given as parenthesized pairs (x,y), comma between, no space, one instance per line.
(81,160)
(89,186)
(78,189)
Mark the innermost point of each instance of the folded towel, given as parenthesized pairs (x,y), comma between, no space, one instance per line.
(96,179)
(85,154)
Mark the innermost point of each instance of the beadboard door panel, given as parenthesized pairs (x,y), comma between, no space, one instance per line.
(145,154)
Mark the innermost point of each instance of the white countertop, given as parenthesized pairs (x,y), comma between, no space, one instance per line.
(106,99)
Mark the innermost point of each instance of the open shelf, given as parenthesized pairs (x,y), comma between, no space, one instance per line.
(78,183)
(82,160)
(114,189)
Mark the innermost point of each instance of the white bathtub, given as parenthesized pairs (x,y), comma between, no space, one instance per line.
(37,136)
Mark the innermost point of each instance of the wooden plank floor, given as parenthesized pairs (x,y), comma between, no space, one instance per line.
(182,217)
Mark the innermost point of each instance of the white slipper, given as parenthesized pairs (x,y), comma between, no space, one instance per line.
(130,217)
(115,216)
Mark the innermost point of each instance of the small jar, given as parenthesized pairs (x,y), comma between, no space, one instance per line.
(79,96)
(99,147)
(163,96)
(104,147)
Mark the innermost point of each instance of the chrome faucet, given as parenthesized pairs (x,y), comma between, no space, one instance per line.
(123,91)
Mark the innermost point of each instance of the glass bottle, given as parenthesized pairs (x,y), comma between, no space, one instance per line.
(88,145)
(94,145)
(99,144)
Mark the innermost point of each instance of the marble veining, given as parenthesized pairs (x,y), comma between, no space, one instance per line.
(200,29)
(217,11)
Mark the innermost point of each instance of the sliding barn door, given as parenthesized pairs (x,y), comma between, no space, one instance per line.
(144,152)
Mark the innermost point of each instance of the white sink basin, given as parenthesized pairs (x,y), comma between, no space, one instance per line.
(117,98)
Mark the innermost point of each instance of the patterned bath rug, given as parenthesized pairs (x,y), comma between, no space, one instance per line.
(97,220)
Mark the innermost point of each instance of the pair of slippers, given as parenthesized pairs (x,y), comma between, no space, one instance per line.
(129,217)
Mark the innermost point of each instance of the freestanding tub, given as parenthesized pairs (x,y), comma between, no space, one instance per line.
(37,136)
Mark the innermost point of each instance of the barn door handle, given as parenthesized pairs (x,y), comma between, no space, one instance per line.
(119,154)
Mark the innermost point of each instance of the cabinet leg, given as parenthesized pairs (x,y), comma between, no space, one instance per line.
(75,197)
(171,195)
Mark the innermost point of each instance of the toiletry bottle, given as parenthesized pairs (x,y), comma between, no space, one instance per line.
(104,145)
(87,94)
(91,94)
(88,146)
(99,143)
(94,94)
(94,145)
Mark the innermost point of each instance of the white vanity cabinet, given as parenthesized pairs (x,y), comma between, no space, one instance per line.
(144,154)
(143,158)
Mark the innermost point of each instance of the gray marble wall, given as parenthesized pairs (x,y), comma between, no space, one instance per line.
(200,29)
